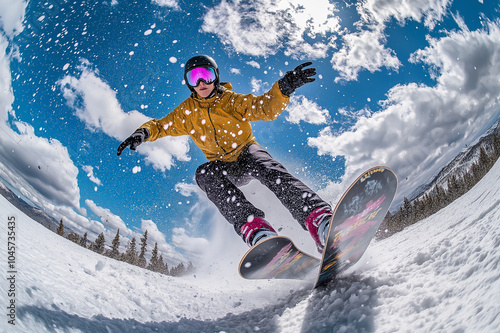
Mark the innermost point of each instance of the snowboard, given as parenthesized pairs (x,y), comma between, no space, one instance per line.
(355,221)
(277,258)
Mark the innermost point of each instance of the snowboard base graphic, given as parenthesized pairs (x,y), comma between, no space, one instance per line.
(355,220)
(277,258)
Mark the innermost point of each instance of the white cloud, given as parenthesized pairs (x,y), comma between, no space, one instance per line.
(430,11)
(363,50)
(167,3)
(420,128)
(235,71)
(6,93)
(108,219)
(90,173)
(40,164)
(95,104)
(256,85)
(366,49)
(195,245)
(253,63)
(12,16)
(303,109)
(262,27)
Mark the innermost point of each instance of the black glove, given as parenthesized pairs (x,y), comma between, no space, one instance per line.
(296,78)
(134,140)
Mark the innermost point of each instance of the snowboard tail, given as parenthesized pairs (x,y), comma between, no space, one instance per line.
(277,258)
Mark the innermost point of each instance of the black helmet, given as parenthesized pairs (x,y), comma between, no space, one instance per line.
(202,61)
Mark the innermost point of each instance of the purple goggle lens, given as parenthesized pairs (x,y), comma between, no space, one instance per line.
(205,74)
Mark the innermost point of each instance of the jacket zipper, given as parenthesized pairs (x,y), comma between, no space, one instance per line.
(215,131)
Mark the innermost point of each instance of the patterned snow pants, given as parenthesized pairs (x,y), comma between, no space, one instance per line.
(220,181)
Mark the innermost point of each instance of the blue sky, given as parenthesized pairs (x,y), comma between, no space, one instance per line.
(404,84)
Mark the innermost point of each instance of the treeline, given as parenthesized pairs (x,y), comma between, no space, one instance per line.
(439,197)
(132,255)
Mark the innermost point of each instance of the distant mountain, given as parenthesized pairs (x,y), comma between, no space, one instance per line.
(460,164)
(33,212)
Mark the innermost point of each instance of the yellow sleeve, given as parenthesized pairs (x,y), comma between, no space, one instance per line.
(264,107)
(174,124)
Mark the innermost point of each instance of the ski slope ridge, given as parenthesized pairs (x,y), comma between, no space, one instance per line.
(440,275)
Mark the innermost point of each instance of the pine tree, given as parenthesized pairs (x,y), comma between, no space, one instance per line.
(453,188)
(496,146)
(483,161)
(60,229)
(468,180)
(153,262)
(99,243)
(178,270)
(163,267)
(190,268)
(142,256)
(74,237)
(406,212)
(115,249)
(131,254)
(83,241)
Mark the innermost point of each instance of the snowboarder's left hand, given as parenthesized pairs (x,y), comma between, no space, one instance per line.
(134,140)
(296,78)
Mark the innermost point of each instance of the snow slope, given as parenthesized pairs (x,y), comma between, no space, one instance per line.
(440,275)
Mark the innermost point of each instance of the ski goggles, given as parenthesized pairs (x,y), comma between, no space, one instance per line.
(205,74)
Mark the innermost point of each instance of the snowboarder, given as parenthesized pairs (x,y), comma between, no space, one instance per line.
(218,121)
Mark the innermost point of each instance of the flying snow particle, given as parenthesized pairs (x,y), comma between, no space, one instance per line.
(136,169)
(148,32)
(65,67)
(173,60)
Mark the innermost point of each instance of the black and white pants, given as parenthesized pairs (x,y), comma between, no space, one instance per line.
(220,181)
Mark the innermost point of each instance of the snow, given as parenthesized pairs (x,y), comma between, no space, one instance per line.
(440,275)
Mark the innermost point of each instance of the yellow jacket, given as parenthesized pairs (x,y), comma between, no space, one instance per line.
(219,126)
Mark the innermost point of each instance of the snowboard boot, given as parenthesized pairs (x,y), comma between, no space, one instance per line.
(317,224)
(256,231)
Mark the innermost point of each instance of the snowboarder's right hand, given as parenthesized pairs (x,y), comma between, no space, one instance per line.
(134,140)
